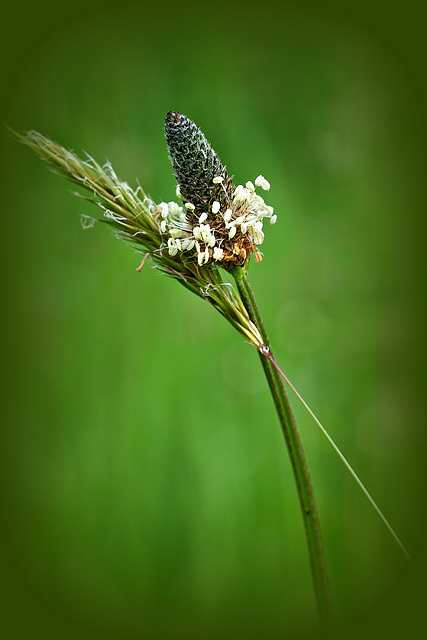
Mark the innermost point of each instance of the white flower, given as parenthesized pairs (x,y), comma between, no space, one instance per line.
(205,232)
(203,257)
(215,206)
(245,214)
(164,210)
(258,236)
(250,218)
(227,215)
(175,232)
(218,253)
(187,244)
(263,183)
(242,194)
(172,248)
(174,209)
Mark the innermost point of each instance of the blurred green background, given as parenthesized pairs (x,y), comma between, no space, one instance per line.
(147,490)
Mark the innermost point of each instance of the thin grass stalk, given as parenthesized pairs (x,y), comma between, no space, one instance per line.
(296,452)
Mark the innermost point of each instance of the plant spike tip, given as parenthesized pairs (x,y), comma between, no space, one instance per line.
(197,167)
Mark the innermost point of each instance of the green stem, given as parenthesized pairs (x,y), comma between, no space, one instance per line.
(296,453)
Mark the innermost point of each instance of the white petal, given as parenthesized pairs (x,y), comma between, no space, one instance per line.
(206,232)
(172,248)
(173,208)
(164,209)
(177,233)
(258,237)
(187,244)
(242,195)
(215,206)
(227,215)
(218,253)
(263,183)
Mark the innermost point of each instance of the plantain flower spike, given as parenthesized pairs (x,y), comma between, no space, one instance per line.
(214,225)
(219,222)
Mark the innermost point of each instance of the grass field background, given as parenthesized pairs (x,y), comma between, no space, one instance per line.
(148,491)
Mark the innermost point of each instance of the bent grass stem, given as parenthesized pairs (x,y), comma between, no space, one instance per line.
(296,453)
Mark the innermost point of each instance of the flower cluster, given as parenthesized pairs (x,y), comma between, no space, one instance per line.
(217,222)
(226,235)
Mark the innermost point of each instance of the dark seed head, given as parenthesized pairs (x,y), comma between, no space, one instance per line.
(196,164)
